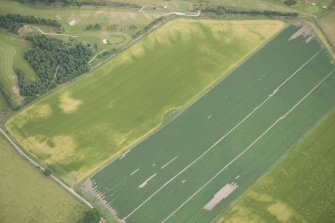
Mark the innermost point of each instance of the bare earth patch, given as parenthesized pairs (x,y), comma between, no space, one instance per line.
(224,192)
(91,188)
(72,22)
(63,147)
(69,104)
(304,31)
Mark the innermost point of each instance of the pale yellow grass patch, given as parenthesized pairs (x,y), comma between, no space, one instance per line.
(120,138)
(69,104)
(63,149)
(260,197)
(281,211)
(241,214)
(35,111)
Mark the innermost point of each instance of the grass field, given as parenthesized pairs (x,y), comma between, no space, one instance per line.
(12,49)
(4,109)
(231,136)
(328,26)
(8,79)
(76,19)
(21,46)
(26,195)
(78,128)
(300,189)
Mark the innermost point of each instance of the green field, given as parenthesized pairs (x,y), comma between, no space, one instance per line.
(20,46)
(328,26)
(76,19)
(12,49)
(231,136)
(83,125)
(300,189)
(27,196)
(7,79)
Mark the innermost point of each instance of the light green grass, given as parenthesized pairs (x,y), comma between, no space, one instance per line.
(26,195)
(327,23)
(299,189)
(234,133)
(4,108)
(12,50)
(82,17)
(82,126)
(20,46)
(8,79)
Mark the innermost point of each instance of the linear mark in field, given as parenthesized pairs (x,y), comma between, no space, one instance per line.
(146,181)
(165,165)
(250,146)
(135,171)
(223,137)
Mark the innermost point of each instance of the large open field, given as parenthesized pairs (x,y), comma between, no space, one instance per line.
(83,125)
(225,141)
(300,189)
(27,196)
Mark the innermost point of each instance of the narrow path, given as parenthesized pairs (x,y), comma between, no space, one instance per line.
(183,14)
(55,75)
(50,34)
(96,56)
(42,168)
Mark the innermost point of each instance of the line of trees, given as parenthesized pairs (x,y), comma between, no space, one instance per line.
(54,62)
(13,22)
(91,216)
(116,4)
(65,2)
(96,26)
(221,10)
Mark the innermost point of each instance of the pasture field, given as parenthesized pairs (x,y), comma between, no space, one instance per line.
(20,46)
(76,19)
(8,79)
(4,109)
(80,127)
(26,195)
(328,26)
(224,141)
(300,189)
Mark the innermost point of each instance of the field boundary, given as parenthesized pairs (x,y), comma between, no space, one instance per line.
(281,118)
(34,163)
(220,216)
(225,135)
(190,103)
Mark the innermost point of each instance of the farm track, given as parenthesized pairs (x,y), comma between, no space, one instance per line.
(34,163)
(50,34)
